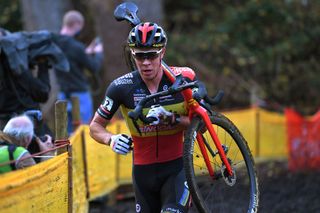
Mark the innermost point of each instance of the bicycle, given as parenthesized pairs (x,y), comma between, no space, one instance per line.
(209,136)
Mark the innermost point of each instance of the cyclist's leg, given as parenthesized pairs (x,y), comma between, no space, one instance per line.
(145,188)
(175,193)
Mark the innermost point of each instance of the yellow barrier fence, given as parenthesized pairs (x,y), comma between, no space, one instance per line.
(69,181)
(264,131)
(56,185)
(40,188)
(79,177)
(101,167)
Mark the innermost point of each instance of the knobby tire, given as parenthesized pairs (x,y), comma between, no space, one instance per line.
(215,195)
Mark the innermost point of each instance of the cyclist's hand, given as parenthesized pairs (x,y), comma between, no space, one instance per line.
(159,114)
(121,144)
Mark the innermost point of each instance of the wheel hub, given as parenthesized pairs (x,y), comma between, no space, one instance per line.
(229,179)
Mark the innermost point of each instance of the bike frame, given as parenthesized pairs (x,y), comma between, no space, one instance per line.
(194,108)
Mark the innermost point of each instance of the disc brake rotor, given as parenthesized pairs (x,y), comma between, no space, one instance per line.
(230,180)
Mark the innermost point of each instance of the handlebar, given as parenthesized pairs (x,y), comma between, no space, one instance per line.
(175,88)
(179,85)
(203,94)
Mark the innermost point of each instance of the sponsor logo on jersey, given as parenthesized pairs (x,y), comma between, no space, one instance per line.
(108,103)
(123,81)
(140,91)
(171,210)
(128,75)
(137,98)
(138,95)
(155,128)
(126,79)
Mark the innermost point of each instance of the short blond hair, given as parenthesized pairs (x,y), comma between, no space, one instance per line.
(72,17)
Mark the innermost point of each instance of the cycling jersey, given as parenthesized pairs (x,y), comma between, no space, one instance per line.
(157,143)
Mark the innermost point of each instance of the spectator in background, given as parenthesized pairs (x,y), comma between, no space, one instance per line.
(23,93)
(14,141)
(74,83)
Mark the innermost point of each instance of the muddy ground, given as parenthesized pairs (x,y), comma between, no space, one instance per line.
(281,191)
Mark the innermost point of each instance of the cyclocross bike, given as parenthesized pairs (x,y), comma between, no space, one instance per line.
(219,167)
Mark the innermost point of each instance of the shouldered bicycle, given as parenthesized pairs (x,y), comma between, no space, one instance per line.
(219,167)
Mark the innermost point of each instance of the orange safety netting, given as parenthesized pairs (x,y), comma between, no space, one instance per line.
(303,141)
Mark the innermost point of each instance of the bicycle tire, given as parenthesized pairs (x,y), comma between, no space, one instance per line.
(224,197)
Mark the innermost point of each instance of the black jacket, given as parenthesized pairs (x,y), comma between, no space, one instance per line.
(23,48)
(75,80)
(22,92)
(19,90)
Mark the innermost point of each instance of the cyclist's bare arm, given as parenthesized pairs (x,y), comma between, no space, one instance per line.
(98,130)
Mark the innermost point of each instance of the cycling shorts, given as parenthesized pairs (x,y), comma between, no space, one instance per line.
(161,187)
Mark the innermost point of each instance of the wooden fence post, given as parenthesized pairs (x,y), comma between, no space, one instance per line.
(61,123)
(85,163)
(61,128)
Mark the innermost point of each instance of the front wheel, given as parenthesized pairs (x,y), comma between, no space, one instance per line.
(220,193)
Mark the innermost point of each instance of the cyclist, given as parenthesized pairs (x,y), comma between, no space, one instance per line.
(158,175)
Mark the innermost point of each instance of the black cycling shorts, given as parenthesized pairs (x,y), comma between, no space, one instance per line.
(161,187)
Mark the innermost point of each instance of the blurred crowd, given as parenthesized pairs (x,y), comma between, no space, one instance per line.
(26,60)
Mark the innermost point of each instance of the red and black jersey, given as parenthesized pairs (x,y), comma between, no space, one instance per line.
(158,143)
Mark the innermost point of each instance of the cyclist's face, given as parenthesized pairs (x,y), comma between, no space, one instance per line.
(148,62)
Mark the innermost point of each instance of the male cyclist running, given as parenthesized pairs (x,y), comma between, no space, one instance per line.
(158,175)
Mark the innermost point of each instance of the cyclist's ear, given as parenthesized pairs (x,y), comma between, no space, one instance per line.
(162,52)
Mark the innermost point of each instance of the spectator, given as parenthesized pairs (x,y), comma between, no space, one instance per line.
(74,83)
(14,141)
(25,61)
(22,93)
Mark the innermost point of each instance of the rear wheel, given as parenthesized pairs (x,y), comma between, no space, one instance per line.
(221,193)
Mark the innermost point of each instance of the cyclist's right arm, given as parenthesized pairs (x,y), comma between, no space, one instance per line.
(98,129)
(103,115)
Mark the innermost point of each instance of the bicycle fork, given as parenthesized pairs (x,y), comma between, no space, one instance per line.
(216,141)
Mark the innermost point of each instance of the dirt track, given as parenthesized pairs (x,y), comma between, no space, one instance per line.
(281,191)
